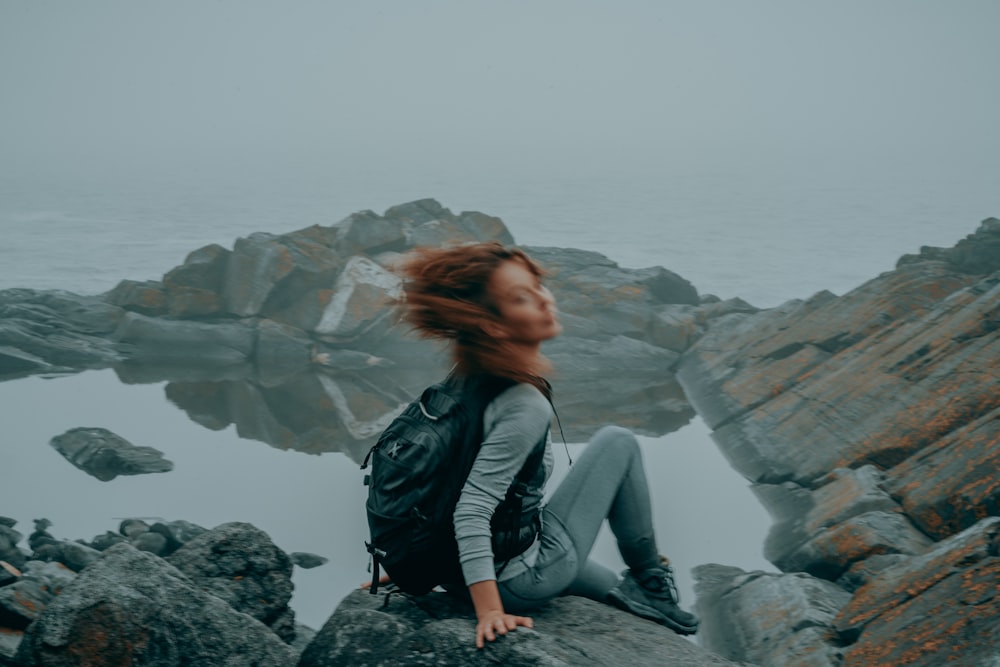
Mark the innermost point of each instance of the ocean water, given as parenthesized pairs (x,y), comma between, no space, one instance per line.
(766,235)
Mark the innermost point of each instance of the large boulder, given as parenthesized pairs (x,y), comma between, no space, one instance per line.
(813,526)
(239,563)
(935,609)
(416,223)
(778,620)
(9,539)
(36,586)
(796,392)
(266,273)
(868,426)
(133,608)
(194,289)
(438,629)
(146,297)
(361,303)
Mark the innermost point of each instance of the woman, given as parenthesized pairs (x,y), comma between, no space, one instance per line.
(489,302)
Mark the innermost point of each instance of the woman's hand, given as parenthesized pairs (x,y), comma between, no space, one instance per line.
(492,619)
(499,623)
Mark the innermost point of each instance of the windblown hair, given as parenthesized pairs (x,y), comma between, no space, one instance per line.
(446,298)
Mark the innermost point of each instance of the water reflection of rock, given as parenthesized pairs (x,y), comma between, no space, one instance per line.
(325,410)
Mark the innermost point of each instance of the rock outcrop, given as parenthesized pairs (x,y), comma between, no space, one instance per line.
(148,595)
(437,629)
(869,426)
(281,328)
(130,607)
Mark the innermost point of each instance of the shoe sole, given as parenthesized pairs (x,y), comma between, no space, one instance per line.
(649,613)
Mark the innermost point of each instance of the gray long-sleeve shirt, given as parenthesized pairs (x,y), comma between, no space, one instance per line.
(513,424)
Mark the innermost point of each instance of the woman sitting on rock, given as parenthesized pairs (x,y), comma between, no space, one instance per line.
(488,301)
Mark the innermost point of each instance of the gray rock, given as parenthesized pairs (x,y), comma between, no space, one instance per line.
(240,564)
(366,233)
(779,620)
(134,608)
(485,227)
(9,641)
(106,540)
(73,555)
(674,327)
(282,350)
(52,576)
(438,630)
(15,363)
(151,340)
(105,455)
(949,486)
(154,543)
(63,329)
(194,288)
(362,295)
(178,532)
(668,287)
(132,528)
(417,212)
(802,515)
(831,552)
(307,561)
(23,600)
(203,268)
(265,273)
(612,300)
(934,609)
(146,297)
(978,253)
(9,551)
(774,386)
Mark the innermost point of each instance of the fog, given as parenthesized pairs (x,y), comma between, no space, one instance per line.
(147,89)
(762,149)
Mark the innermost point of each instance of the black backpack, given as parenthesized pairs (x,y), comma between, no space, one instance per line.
(418,468)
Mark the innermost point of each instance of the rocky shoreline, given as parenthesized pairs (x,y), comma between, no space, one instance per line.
(867,424)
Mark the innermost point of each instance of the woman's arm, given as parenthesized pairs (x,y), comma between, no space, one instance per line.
(491,620)
(517,419)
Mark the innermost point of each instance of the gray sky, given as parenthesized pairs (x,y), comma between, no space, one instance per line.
(552,84)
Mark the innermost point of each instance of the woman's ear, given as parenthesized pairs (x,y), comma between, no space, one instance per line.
(494,330)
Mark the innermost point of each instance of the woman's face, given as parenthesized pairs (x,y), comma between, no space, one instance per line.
(527,308)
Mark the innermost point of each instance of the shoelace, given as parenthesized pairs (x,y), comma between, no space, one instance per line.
(661,580)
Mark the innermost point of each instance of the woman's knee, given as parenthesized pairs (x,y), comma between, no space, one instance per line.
(616,437)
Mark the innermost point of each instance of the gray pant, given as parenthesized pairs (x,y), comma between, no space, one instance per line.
(607,482)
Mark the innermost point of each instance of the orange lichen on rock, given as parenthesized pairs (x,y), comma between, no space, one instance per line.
(883,597)
(953,620)
(953,484)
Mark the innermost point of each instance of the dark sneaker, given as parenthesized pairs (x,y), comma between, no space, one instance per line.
(652,594)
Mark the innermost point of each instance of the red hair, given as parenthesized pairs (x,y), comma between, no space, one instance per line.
(446,298)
